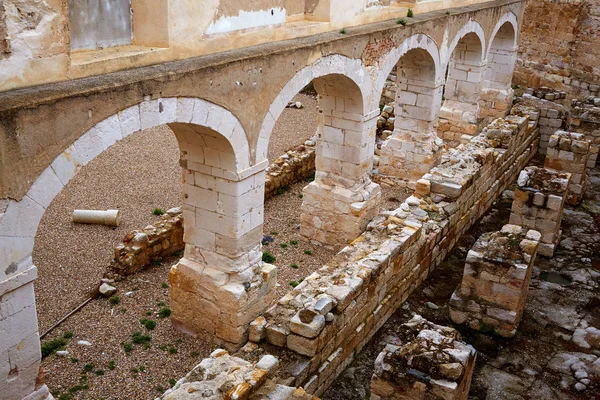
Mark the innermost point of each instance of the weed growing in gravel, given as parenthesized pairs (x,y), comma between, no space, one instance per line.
(142,368)
(294,283)
(401,22)
(123,310)
(158,212)
(294,242)
(177,253)
(195,354)
(268,257)
(283,245)
(68,335)
(111,365)
(134,370)
(99,372)
(172,382)
(88,367)
(161,304)
(157,262)
(74,360)
(164,312)
(308,252)
(138,338)
(274,233)
(148,323)
(283,189)
(295,266)
(127,347)
(447,12)
(160,389)
(310,178)
(165,285)
(52,346)
(172,350)
(410,14)
(114,300)
(163,347)
(343,31)
(301,196)
(148,313)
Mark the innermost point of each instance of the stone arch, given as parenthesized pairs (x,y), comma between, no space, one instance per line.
(497,93)
(417,41)
(19,223)
(414,148)
(471,27)
(336,64)
(463,68)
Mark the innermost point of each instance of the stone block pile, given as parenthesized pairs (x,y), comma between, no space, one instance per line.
(493,291)
(425,361)
(293,166)
(538,204)
(337,309)
(141,247)
(225,377)
(569,152)
(585,118)
(546,93)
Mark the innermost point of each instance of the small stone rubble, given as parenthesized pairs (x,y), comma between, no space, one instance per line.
(546,93)
(225,377)
(569,152)
(539,200)
(141,248)
(426,361)
(493,291)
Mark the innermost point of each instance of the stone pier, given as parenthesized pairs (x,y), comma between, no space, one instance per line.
(426,361)
(491,297)
(340,202)
(221,284)
(538,204)
(569,152)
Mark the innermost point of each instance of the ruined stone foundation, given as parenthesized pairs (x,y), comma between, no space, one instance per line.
(426,361)
(492,294)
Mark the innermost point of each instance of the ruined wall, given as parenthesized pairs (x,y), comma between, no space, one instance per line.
(558,46)
(335,311)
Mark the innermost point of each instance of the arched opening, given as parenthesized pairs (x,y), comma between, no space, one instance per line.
(497,93)
(460,110)
(414,147)
(342,199)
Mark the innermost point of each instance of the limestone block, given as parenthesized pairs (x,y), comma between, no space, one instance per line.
(408,369)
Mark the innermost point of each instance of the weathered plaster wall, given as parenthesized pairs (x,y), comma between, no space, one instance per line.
(175,30)
(99,24)
(559,46)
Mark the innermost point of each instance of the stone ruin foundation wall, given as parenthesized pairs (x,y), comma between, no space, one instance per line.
(141,248)
(425,361)
(493,291)
(292,167)
(585,118)
(335,311)
(569,152)
(538,204)
(558,46)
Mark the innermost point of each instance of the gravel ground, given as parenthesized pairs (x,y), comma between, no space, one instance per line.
(293,127)
(71,259)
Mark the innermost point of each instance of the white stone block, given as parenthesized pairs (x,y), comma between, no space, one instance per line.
(149,114)
(45,188)
(109,131)
(130,120)
(167,109)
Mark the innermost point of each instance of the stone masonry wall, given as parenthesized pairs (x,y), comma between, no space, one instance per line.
(558,46)
(493,291)
(552,114)
(538,204)
(426,361)
(335,311)
(569,152)
(585,118)
(293,166)
(141,248)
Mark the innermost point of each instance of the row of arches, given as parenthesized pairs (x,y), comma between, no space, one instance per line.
(224,176)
